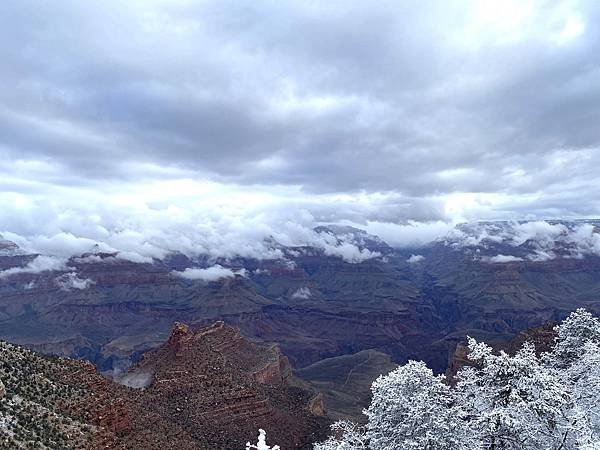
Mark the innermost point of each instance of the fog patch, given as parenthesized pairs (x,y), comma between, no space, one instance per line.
(503,259)
(209,274)
(414,259)
(136,380)
(70,281)
(40,264)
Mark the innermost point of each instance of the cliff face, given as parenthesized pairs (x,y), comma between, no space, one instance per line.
(209,388)
(222,387)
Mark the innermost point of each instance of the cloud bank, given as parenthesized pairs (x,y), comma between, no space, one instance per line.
(533,241)
(71,280)
(39,264)
(207,127)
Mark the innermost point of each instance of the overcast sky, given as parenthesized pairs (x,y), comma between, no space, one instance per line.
(218,123)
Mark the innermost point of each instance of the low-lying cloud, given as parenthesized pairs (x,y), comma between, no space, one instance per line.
(71,280)
(415,259)
(196,218)
(533,241)
(208,274)
(39,264)
(503,259)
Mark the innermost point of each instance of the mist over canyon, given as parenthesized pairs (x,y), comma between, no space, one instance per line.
(341,292)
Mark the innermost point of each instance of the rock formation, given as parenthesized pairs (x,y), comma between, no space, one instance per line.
(203,389)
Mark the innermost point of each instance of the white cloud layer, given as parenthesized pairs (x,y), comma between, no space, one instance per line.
(206,127)
(414,259)
(197,218)
(534,241)
(40,264)
(71,280)
(209,274)
(504,259)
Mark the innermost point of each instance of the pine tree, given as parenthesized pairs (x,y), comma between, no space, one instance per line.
(520,402)
(346,436)
(573,334)
(515,402)
(414,409)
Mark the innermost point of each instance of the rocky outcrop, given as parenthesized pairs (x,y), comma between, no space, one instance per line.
(2,390)
(317,405)
(180,335)
(542,338)
(219,384)
(206,388)
(9,248)
(276,372)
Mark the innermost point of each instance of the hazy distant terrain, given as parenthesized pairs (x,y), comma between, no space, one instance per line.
(490,280)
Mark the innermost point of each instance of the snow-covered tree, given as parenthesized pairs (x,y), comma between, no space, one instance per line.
(520,402)
(346,436)
(583,379)
(576,357)
(515,402)
(262,443)
(414,409)
(574,333)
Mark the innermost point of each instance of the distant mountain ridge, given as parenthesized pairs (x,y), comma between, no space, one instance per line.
(352,293)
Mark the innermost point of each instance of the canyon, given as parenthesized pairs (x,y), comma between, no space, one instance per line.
(399,303)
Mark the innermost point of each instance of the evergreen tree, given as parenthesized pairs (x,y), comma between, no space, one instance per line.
(414,409)
(346,436)
(520,402)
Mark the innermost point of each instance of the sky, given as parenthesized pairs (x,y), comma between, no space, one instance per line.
(206,126)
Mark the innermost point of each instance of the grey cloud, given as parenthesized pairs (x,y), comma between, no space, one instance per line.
(388,101)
